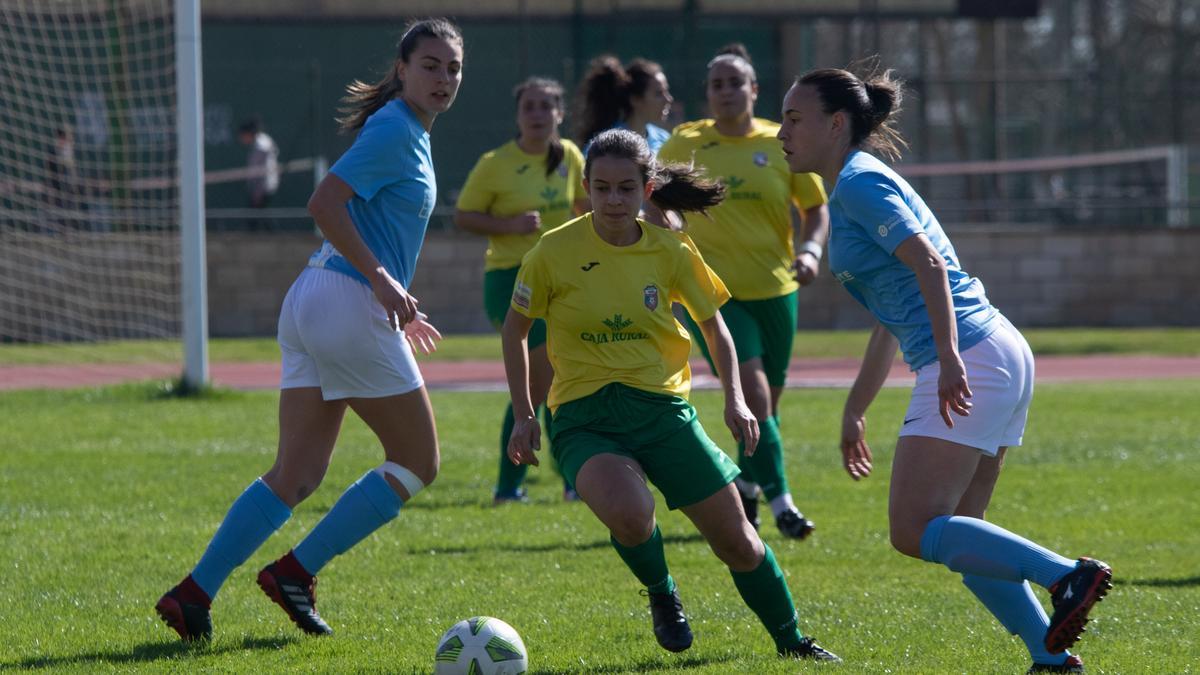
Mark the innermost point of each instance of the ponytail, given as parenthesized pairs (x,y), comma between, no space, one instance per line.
(362,100)
(679,187)
(871,105)
(602,99)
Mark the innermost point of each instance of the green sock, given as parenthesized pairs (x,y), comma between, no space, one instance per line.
(766,466)
(511,475)
(648,562)
(765,592)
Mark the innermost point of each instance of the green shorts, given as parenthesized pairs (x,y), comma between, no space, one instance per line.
(497,296)
(659,432)
(760,328)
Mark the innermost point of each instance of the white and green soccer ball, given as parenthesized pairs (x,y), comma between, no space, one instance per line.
(481,645)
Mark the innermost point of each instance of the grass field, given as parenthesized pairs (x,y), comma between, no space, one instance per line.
(108,496)
(809,344)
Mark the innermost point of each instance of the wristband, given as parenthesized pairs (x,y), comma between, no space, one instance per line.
(812,248)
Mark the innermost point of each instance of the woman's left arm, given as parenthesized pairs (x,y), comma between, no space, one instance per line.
(919,255)
(738,417)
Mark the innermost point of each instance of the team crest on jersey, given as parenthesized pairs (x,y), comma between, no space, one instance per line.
(522,295)
(650,297)
(760,159)
(562,170)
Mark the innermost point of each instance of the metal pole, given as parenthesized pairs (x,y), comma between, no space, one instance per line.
(190,136)
(1177,186)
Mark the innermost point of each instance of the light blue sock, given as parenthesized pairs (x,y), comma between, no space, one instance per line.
(1019,611)
(974,546)
(254,516)
(368,504)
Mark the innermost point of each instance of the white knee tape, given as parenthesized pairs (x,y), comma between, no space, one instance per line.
(407,478)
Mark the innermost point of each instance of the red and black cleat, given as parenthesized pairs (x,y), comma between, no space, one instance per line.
(1072,598)
(297,597)
(185,608)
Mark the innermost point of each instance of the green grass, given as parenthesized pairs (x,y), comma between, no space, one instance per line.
(809,344)
(108,496)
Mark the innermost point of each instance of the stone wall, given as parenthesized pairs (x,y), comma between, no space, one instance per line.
(1036,276)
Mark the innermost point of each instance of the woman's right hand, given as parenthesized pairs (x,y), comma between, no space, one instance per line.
(953,389)
(401,307)
(856,454)
(526,437)
(526,223)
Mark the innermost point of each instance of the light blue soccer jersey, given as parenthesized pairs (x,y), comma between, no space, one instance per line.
(871,211)
(655,137)
(390,168)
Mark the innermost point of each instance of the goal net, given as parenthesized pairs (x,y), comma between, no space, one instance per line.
(1146,187)
(89,224)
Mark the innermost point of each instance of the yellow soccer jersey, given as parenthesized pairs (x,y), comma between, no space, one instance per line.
(507,182)
(608,308)
(747,238)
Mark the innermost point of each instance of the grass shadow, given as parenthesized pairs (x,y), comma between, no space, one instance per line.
(1166,583)
(145,653)
(543,548)
(675,663)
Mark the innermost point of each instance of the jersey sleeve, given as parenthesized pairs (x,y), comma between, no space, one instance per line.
(697,287)
(873,202)
(384,153)
(808,190)
(675,150)
(531,292)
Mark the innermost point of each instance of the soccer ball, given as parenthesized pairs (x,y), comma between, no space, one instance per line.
(481,645)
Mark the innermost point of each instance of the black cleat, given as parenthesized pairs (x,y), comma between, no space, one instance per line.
(807,649)
(794,525)
(191,620)
(296,597)
(670,625)
(750,506)
(1072,598)
(1073,664)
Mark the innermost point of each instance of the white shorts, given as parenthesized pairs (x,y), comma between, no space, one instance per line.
(334,334)
(1000,375)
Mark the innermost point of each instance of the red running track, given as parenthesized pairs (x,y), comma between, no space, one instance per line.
(489,375)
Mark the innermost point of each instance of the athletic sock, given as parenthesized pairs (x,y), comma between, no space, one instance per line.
(1019,611)
(364,507)
(973,546)
(254,516)
(288,566)
(765,592)
(511,475)
(190,592)
(766,465)
(782,503)
(747,488)
(648,562)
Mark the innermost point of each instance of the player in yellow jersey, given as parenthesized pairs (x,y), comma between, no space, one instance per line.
(747,240)
(604,284)
(515,193)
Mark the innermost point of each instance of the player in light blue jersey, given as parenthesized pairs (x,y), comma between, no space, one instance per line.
(635,96)
(974,369)
(344,332)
